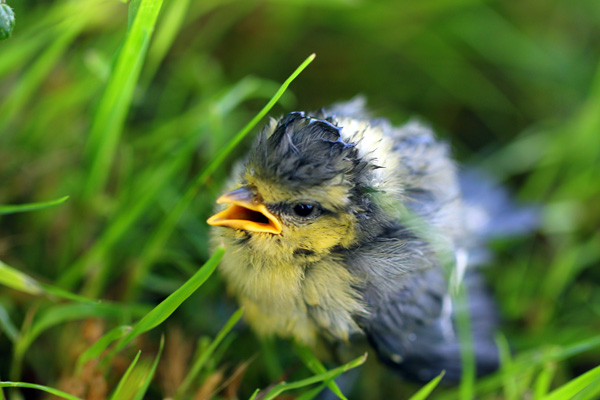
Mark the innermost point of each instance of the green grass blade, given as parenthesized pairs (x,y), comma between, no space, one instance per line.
(312,393)
(271,362)
(54,291)
(95,350)
(205,355)
(134,6)
(315,365)
(570,389)
(544,380)
(46,389)
(223,348)
(562,353)
(254,394)
(326,376)
(21,51)
(528,360)
(7,326)
(168,28)
(140,394)
(17,280)
(72,312)
(590,392)
(121,223)
(222,155)
(117,394)
(156,243)
(59,314)
(426,390)
(509,385)
(115,102)
(18,208)
(467,352)
(162,311)
(38,71)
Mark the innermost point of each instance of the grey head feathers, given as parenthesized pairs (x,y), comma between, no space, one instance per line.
(303,152)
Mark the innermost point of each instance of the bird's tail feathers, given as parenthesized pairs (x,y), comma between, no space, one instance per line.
(491,213)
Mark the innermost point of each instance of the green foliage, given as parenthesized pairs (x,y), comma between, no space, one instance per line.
(586,386)
(322,377)
(118,393)
(114,104)
(136,379)
(5,209)
(162,311)
(203,358)
(95,351)
(57,315)
(139,110)
(18,280)
(140,390)
(426,390)
(46,389)
(316,367)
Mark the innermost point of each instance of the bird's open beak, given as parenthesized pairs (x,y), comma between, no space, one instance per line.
(245,213)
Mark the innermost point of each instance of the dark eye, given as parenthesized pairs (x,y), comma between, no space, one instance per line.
(303,209)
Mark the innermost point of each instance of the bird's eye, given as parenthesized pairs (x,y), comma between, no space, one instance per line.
(303,209)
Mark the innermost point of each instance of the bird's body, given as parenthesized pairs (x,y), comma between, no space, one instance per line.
(345,226)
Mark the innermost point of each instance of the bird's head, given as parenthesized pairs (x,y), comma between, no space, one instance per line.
(302,192)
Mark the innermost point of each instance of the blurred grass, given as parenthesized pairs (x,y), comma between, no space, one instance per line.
(132,110)
(8,209)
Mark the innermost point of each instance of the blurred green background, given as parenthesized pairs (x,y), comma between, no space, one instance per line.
(122,114)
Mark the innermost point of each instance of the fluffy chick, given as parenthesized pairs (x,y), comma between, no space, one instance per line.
(341,226)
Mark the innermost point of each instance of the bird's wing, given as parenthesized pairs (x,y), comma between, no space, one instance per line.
(423,250)
(412,319)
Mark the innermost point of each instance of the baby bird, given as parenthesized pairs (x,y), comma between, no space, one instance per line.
(339,226)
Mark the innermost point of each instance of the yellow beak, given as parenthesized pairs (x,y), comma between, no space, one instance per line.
(245,213)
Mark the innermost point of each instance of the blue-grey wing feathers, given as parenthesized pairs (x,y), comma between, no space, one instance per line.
(412,320)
